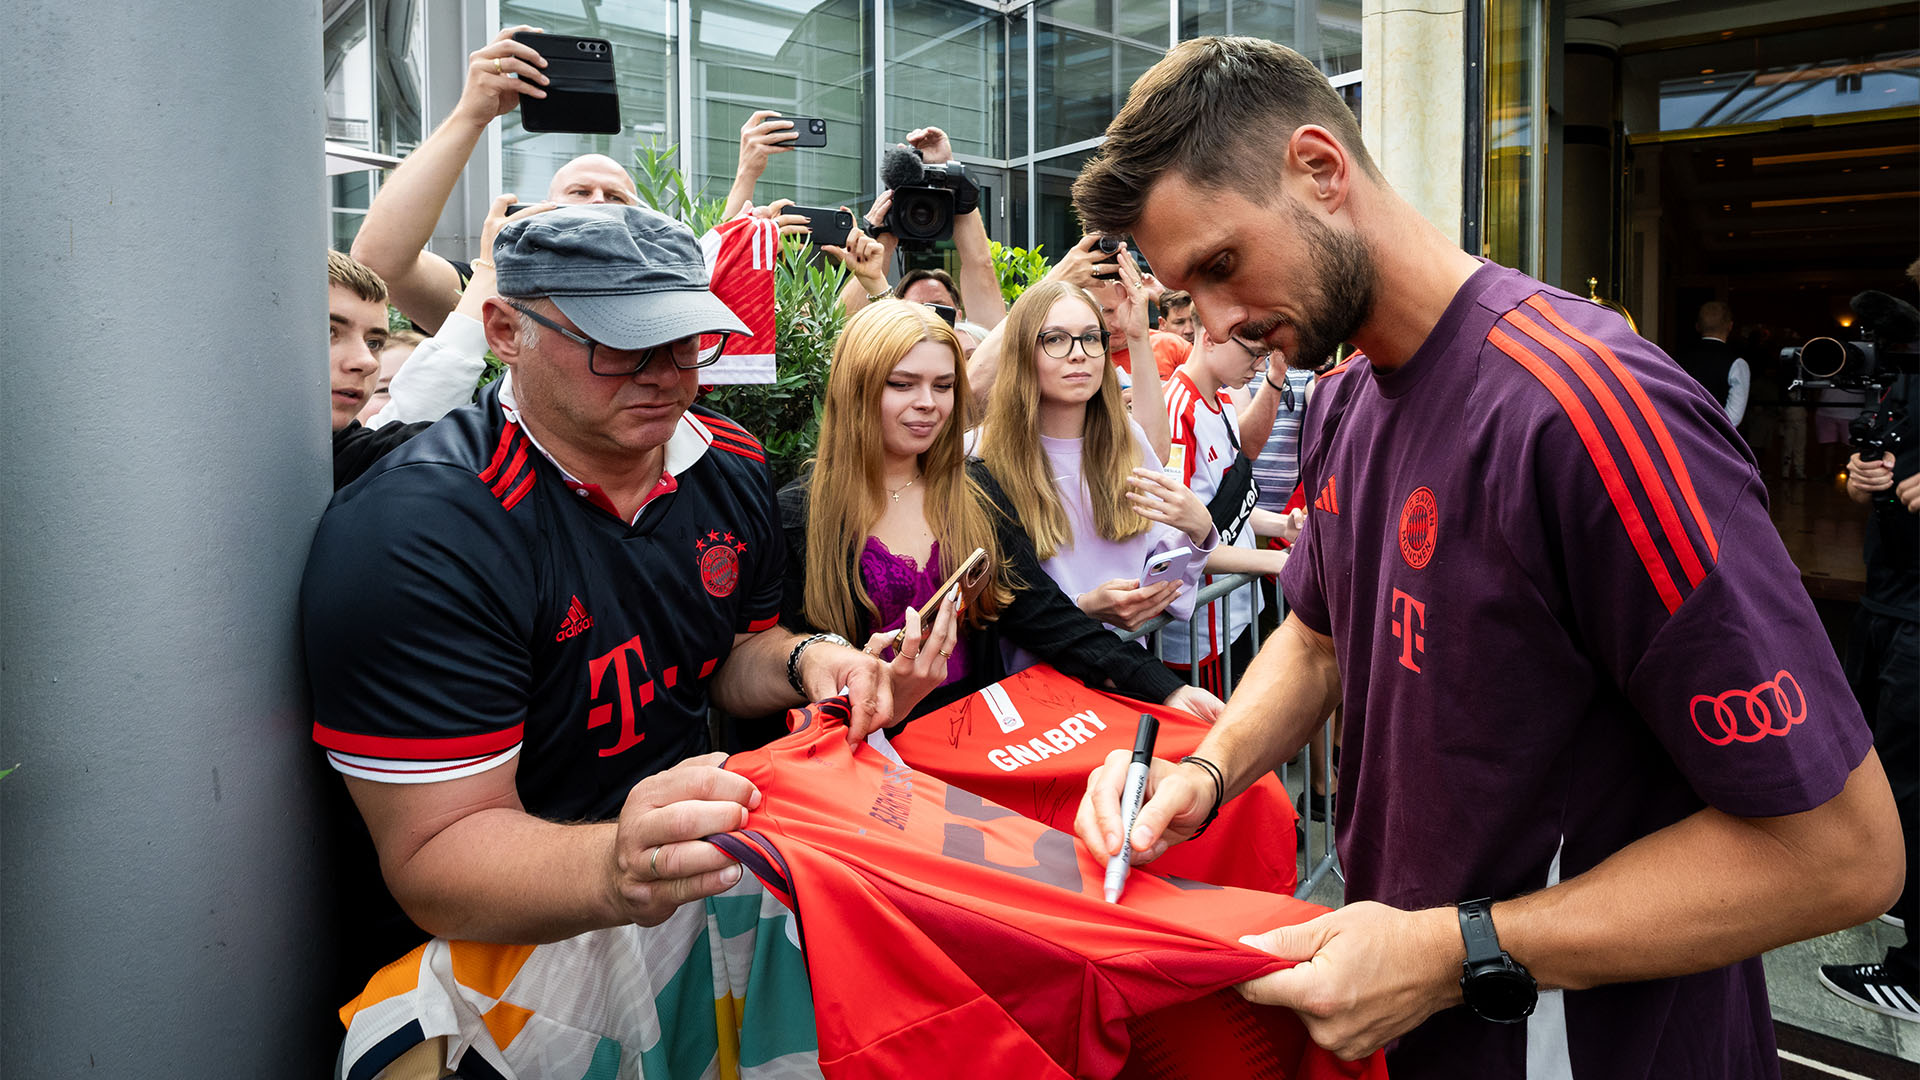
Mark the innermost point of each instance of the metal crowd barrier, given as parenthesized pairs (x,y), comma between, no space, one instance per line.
(1313,868)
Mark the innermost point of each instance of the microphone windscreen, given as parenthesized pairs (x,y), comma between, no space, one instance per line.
(1892,320)
(899,167)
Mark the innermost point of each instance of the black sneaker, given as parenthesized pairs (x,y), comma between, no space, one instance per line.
(1322,805)
(1870,987)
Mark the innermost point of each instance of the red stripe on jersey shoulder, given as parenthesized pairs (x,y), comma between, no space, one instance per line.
(511,474)
(1654,422)
(395,748)
(1603,463)
(1651,481)
(767,623)
(513,497)
(750,453)
(1337,368)
(507,432)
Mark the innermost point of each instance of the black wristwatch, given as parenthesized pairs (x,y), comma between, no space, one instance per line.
(1496,988)
(793,658)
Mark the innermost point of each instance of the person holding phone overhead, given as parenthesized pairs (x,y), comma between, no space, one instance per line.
(1078,475)
(891,508)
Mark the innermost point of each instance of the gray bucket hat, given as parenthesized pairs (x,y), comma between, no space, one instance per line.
(628,276)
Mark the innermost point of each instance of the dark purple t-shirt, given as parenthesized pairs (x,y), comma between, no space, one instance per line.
(1563,621)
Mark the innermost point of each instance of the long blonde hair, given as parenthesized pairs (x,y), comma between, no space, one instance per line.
(849,481)
(1011,444)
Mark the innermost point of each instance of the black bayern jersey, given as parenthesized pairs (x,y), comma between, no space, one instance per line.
(466,602)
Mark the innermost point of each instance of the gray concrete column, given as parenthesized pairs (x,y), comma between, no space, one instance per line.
(166,459)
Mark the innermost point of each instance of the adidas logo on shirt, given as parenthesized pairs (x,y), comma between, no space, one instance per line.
(576,623)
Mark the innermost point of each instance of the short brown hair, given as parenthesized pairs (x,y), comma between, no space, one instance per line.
(1205,111)
(1174,298)
(929,274)
(344,271)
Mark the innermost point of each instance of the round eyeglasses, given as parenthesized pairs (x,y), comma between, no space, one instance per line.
(1059,344)
(687,353)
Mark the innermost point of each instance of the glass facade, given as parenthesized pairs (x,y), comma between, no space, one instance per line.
(1023,89)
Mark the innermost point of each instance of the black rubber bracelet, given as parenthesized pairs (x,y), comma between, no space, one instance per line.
(1219,791)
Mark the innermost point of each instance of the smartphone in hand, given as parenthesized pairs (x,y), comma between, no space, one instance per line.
(1166,566)
(812,131)
(581,97)
(829,227)
(970,577)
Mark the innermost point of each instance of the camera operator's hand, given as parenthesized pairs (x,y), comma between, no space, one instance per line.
(1909,493)
(932,144)
(1869,478)
(764,134)
(1080,264)
(1130,294)
(491,89)
(865,257)
(877,213)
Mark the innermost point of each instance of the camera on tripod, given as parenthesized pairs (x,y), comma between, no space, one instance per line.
(926,198)
(1884,352)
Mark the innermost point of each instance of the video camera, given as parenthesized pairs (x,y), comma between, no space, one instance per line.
(926,198)
(1886,350)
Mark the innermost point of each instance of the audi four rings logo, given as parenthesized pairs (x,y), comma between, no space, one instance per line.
(1747,716)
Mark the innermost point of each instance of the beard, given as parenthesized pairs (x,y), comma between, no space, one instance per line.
(1340,299)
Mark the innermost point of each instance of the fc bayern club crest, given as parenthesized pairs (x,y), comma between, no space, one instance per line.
(720,562)
(1419,528)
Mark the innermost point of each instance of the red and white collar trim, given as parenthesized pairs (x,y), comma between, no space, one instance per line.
(687,445)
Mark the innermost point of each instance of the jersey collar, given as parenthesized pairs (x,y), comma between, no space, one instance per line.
(687,444)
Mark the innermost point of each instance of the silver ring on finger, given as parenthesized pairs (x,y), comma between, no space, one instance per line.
(653,864)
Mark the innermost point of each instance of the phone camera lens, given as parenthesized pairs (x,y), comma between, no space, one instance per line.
(818,126)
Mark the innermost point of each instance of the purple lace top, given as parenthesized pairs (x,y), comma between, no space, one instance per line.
(896,583)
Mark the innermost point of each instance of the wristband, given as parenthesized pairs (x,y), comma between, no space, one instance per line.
(485,262)
(1219,791)
(883,294)
(793,658)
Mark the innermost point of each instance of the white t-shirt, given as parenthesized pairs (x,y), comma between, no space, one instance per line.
(1200,431)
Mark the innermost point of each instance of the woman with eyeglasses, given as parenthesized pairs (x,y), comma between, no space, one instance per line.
(1079,476)
(891,507)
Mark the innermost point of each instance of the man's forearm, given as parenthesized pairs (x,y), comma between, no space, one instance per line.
(1712,889)
(753,681)
(1149,395)
(503,875)
(983,367)
(394,235)
(1256,424)
(979,283)
(1283,697)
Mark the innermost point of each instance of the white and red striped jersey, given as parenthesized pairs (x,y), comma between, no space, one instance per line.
(740,255)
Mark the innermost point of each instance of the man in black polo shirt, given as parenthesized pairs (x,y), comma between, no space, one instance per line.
(520,618)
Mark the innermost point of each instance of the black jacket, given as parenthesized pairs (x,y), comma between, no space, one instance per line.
(1040,619)
(356,447)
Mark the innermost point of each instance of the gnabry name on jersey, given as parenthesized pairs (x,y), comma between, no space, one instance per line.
(1070,733)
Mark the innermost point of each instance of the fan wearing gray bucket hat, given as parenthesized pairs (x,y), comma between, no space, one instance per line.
(525,615)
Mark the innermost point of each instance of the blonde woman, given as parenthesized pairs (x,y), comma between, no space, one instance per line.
(1079,475)
(891,507)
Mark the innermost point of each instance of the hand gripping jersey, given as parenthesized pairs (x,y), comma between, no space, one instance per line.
(1028,742)
(740,255)
(950,937)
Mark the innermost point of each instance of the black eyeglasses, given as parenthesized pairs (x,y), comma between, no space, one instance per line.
(1260,358)
(1059,344)
(693,351)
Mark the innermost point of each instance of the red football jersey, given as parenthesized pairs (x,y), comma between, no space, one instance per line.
(740,255)
(950,937)
(1028,742)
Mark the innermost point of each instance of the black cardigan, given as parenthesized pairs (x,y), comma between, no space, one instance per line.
(1040,619)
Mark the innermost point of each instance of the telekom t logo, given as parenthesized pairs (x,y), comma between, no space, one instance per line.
(1409,624)
(601,715)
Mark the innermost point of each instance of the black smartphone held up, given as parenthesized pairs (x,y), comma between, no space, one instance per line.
(812,129)
(581,97)
(830,227)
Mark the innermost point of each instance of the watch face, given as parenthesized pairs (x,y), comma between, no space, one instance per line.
(1503,995)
